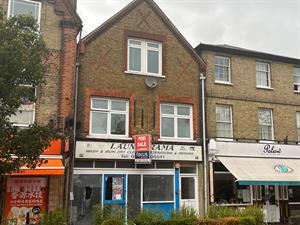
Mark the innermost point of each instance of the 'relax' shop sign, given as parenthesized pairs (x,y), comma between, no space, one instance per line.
(142,145)
(117,150)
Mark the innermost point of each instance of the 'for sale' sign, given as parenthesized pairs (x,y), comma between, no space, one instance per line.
(143,146)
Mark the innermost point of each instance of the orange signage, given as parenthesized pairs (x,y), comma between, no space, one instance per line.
(54,148)
(26,198)
(51,167)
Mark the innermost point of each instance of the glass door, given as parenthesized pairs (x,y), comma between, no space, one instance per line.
(189,193)
(270,199)
(114,190)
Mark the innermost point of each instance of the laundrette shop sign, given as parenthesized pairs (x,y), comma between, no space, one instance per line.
(116,150)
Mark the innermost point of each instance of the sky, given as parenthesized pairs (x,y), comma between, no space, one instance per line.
(271,26)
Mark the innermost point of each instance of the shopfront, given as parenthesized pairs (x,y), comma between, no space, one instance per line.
(266,174)
(26,192)
(106,173)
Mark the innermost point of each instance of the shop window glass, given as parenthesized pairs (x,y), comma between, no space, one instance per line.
(164,165)
(87,194)
(153,186)
(134,195)
(145,166)
(83,163)
(188,169)
(228,191)
(187,188)
(104,164)
(125,164)
(114,188)
(294,193)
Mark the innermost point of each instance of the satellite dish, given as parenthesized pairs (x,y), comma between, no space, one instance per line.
(151,82)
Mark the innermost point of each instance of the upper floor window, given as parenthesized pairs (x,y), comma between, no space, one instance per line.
(176,121)
(265,122)
(25,115)
(263,76)
(222,69)
(297,79)
(298,125)
(144,57)
(224,121)
(24,7)
(109,117)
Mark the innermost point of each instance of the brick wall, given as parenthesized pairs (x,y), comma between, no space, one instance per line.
(102,66)
(245,98)
(56,191)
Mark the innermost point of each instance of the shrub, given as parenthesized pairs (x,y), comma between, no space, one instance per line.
(184,212)
(112,222)
(255,212)
(180,221)
(148,217)
(247,220)
(108,214)
(216,211)
(219,221)
(56,217)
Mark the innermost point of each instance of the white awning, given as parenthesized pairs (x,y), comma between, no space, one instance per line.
(263,171)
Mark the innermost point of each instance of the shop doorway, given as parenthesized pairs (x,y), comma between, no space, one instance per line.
(114,190)
(189,192)
(270,200)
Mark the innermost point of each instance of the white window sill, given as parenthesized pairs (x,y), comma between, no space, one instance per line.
(297,92)
(223,82)
(176,140)
(225,139)
(21,125)
(266,142)
(144,74)
(108,137)
(265,88)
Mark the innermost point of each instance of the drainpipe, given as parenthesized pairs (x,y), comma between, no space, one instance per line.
(72,152)
(206,202)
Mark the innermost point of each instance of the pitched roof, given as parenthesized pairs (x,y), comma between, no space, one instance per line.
(118,16)
(245,52)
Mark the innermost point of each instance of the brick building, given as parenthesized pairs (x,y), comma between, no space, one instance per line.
(253,123)
(59,26)
(138,75)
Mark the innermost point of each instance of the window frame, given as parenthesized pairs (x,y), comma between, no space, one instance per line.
(175,116)
(272,124)
(296,75)
(39,4)
(226,122)
(228,69)
(298,125)
(26,106)
(109,111)
(268,73)
(144,56)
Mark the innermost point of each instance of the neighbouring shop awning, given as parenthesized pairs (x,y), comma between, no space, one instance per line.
(263,171)
(51,167)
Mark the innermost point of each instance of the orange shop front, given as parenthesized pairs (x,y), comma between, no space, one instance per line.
(28,193)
